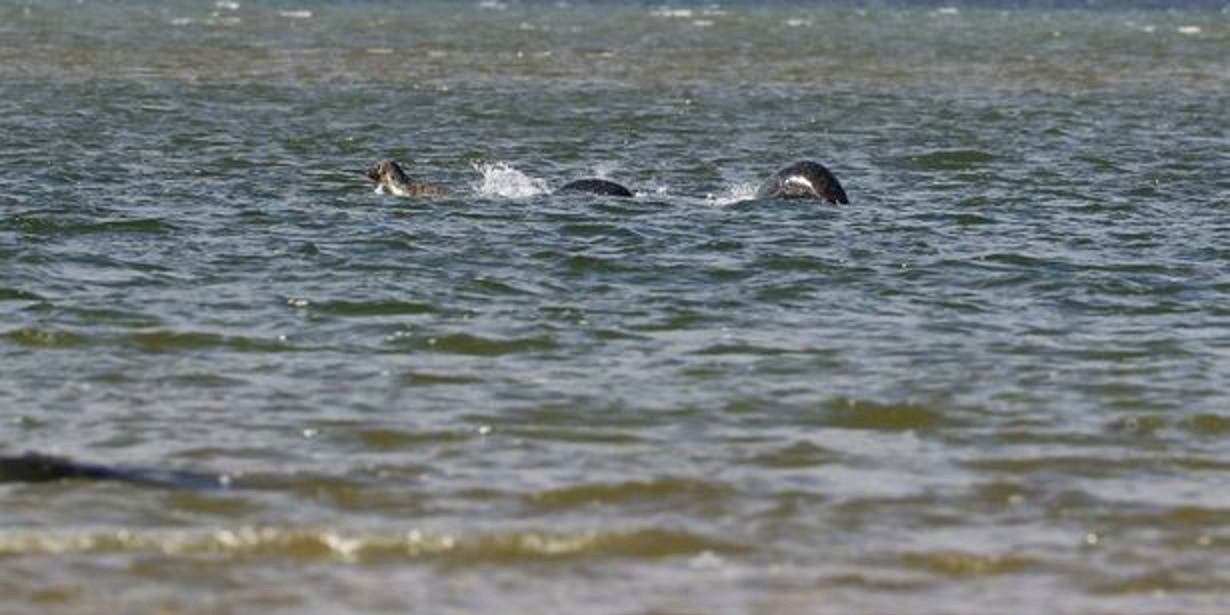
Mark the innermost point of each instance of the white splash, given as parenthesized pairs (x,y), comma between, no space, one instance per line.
(670,13)
(500,179)
(731,195)
(603,170)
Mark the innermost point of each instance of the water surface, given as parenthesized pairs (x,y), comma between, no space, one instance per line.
(998,377)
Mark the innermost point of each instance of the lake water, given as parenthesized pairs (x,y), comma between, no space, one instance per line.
(997,381)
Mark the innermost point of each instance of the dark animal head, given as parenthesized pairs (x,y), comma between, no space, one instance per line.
(809,179)
(803,180)
(387,170)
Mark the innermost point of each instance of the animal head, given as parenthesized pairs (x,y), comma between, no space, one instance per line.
(387,170)
(807,180)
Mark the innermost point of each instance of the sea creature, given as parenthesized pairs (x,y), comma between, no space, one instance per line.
(803,180)
(391,179)
(33,467)
(594,185)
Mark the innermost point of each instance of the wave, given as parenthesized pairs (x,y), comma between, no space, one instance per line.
(313,544)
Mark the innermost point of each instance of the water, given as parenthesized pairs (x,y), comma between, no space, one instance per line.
(999,377)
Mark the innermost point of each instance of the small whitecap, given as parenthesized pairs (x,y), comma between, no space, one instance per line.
(947,10)
(604,170)
(733,194)
(181,21)
(300,14)
(217,20)
(228,5)
(493,5)
(795,22)
(1189,30)
(706,559)
(379,51)
(501,179)
(702,23)
(668,12)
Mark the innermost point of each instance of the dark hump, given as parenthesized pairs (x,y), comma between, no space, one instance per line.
(825,184)
(39,468)
(594,185)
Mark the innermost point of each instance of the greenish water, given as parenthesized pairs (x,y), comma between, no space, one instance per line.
(995,382)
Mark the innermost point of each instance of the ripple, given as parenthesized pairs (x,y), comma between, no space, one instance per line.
(1160,582)
(421,378)
(860,414)
(1208,425)
(478,345)
(962,564)
(796,455)
(171,341)
(386,307)
(660,491)
(941,160)
(44,338)
(16,294)
(60,225)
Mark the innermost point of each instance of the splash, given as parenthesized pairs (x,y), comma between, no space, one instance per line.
(732,194)
(500,179)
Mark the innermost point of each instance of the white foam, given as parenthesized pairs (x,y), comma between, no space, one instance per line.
(500,179)
(731,195)
(603,170)
(229,5)
(665,11)
(1189,30)
(296,14)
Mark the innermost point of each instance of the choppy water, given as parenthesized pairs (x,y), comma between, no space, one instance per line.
(996,382)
